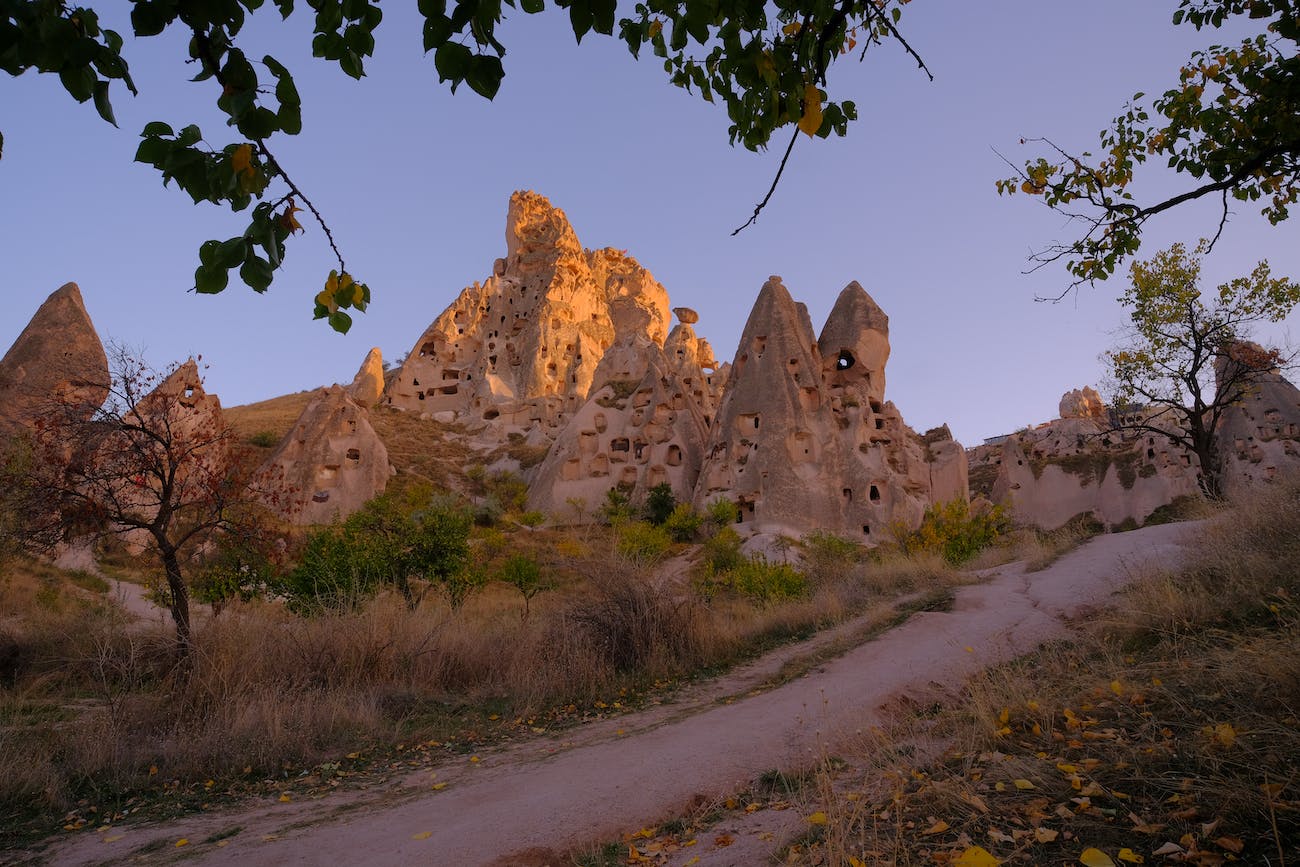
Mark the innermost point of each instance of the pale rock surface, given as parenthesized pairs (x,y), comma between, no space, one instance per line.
(519,352)
(368,385)
(57,356)
(643,426)
(1082,403)
(1259,437)
(328,465)
(1077,466)
(803,439)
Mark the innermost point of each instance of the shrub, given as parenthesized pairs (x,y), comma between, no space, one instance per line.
(660,502)
(953,532)
(827,556)
(644,544)
(525,575)
(684,523)
(722,512)
(532,519)
(238,571)
(635,625)
(264,439)
(722,552)
(757,578)
(617,508)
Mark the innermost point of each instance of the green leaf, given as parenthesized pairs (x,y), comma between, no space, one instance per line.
(484,75)
(210,281)
(340,321)
(231,253)
(581,17)
(157,127)
(79,81)
(452,61)
(532,7)
(256,272)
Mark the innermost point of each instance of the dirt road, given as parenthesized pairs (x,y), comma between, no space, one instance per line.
(632,771)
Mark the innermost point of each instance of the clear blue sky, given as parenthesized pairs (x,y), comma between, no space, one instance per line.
(415,181)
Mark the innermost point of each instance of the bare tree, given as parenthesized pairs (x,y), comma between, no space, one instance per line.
(152,465)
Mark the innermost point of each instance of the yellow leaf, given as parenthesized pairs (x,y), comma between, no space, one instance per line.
(153,770)
(656,27)
(818,818)
(811,121)
(1095,858)
(854,862)
(1045,835)
(975,856)
(1225,734)
(1117,688)
(423,835)
(242,160)
(937,828)
(284,798)
(1131,857)
(114,838)
(184,841)
(438,787)
(1232,844)
(1005,716)
(1066,769)
(1022,785)
(792,29)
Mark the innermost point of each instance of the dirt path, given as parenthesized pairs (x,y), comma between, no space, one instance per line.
(620,774)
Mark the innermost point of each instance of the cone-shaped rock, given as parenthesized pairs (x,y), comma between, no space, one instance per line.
(368,385)
(57,356)
(328,465)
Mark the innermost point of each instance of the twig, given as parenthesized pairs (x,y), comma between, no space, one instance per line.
(772,189)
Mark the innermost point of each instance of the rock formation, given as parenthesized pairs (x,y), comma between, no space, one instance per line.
(1258,437)
(643,426)
(803,439)
(328,465)
(518,353)
(1078,466)
(368,385)
(59,357)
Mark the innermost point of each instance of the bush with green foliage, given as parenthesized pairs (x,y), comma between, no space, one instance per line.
(617,508)
(525,575)
(391,542)
(722,512)
(953,532)
(684,523)
(642,543)
(241,570)
(828,556)
(659,504)
(264,439)
(755,577)
(722,551)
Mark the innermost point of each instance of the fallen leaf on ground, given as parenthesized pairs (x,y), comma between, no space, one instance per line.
(975,856)
(937,828)
(818,818)
(1131,857)
(1091,857)
(423,835)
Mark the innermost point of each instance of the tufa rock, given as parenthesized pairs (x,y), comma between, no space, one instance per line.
(328,465)
(519,352)
(368,385)
(1259,435)
(1082,403)
(58,356)
(803,440)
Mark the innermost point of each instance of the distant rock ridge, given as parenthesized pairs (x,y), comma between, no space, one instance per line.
(57,356)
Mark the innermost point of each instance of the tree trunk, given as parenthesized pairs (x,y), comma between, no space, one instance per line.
(180,600)
(1211,471)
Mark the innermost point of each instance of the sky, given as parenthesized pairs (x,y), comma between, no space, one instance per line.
(414,182)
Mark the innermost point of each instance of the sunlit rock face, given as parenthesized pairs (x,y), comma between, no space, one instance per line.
(367,386)
(803,439)
(643,426)
(58,357)
(518,352)
(328,465)
(1259,436)
(1078,467)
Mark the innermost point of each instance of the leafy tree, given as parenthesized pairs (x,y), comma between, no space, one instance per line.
(659,503)
(953,531)
(1179,340)
(393,541)
(144,465)
(525,575)
(617,508)
(1231,127)
(683,523)
(766,62)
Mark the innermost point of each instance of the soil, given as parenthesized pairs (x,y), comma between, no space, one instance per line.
(523,804)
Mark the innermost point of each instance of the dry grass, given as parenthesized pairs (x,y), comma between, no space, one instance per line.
(275,416)
(95,714)
(1174,728)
